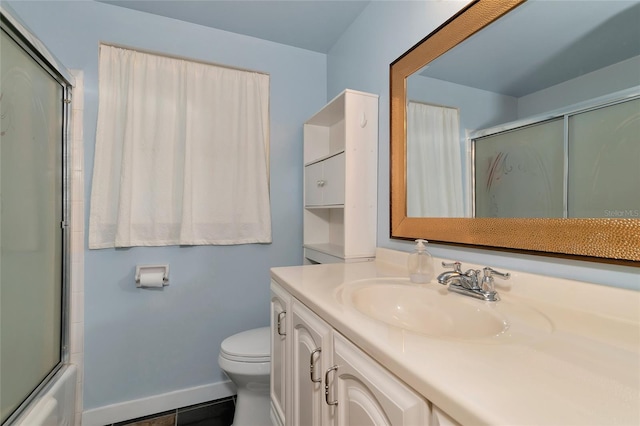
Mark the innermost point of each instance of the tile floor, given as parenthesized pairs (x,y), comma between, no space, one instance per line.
(213,413)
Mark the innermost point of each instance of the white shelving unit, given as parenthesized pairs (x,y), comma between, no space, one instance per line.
(340,180)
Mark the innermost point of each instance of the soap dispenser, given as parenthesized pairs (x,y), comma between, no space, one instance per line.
(420,264)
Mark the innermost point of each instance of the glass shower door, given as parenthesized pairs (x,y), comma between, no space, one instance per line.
(31,213)
(604,158)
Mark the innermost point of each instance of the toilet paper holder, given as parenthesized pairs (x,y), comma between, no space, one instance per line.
(152,269)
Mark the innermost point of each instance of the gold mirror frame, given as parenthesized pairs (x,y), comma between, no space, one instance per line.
(597,239)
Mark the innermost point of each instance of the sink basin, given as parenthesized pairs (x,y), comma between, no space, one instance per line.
(433,311)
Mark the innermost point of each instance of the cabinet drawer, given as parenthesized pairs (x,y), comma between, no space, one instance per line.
(333,176)
(313,184)
(324,182)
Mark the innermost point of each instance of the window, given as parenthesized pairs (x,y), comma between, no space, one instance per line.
(181,153)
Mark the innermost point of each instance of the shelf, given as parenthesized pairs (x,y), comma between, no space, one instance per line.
(324,157)
(340,176)
(330,114)
(334,111)
(330,206)
(323,142)
(329,253)
(327,248)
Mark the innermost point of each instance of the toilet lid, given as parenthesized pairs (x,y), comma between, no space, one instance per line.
(248,346)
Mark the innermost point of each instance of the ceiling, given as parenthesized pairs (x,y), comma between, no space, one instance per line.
(555,51)
(541,44)
(310,24)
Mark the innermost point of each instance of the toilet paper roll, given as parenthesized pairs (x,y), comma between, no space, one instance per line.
(151,279)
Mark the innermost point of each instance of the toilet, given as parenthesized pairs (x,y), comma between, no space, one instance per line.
(246,359)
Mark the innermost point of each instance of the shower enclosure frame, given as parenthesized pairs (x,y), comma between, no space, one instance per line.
(33,47)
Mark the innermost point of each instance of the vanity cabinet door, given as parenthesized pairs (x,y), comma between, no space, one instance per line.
(310,354)
(280,302)
(366,394)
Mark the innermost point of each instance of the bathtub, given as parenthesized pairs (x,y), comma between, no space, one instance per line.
(56,405)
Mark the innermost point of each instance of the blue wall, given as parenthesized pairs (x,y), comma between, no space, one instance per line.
(143,343)
(360,60)
(140,343)
(614,78)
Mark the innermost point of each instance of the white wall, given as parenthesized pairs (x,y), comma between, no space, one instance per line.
(140,343)
(360,60)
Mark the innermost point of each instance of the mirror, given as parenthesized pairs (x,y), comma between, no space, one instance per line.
(471,58)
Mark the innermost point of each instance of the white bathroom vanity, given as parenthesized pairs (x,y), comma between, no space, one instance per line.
(359,344)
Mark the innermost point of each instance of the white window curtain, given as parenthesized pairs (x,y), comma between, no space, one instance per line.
(181,153)
(434,163)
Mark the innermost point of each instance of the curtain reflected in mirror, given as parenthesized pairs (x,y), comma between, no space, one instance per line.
(434,175)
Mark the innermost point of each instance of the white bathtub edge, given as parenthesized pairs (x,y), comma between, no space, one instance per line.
(56,405)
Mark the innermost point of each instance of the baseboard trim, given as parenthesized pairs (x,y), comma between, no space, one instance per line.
(156,404)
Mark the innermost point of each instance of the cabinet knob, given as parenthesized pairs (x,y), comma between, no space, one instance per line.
(321,183)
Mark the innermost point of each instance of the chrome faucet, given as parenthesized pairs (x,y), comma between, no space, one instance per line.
(469,283)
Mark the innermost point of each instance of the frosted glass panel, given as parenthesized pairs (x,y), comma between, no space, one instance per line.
(520,173)
(604,162)
(31,115)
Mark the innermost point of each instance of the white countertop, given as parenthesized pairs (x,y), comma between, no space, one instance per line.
(583,369)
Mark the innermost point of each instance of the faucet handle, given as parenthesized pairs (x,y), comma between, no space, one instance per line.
(490,272)
(487,280)
(457,266)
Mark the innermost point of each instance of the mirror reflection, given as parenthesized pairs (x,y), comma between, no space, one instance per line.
(537,115)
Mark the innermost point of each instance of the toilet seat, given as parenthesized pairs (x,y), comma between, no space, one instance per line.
(248,346)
